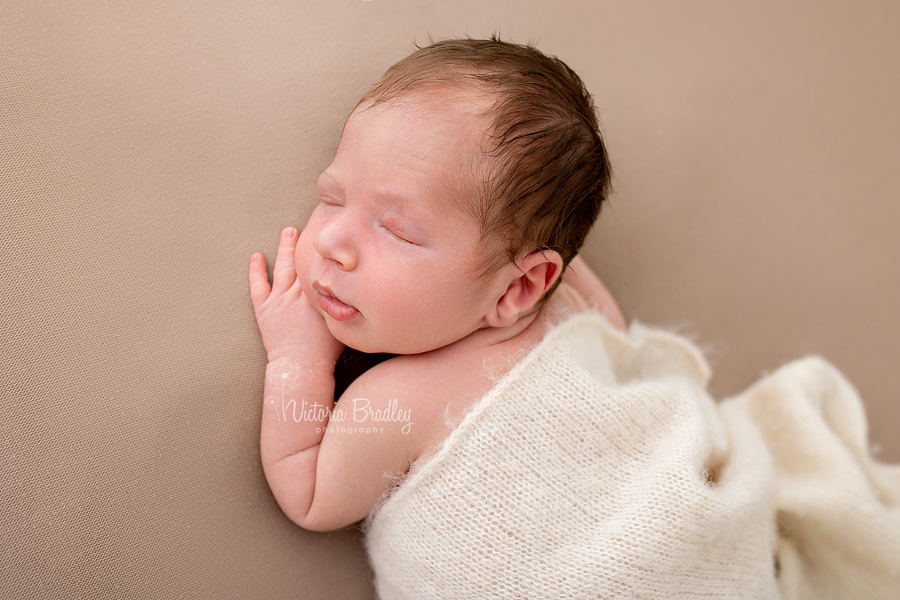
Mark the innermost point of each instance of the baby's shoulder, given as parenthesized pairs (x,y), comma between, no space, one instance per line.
(433,389)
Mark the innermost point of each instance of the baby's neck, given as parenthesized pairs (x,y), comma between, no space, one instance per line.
(528,327)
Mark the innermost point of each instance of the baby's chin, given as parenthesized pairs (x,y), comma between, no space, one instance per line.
(373,344)
(353,340)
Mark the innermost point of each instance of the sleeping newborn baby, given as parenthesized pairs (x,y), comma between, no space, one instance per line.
(521,443)
(464,184)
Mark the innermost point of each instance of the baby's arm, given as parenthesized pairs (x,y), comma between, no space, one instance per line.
(325,471)
(585,282)
(302,354)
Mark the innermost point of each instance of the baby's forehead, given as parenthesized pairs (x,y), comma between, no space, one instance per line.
(445,131)
(440,121)
(438,102)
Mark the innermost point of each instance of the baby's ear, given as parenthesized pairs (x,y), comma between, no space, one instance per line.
(528,280)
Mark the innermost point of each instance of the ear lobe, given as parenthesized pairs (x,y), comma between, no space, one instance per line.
(529,279)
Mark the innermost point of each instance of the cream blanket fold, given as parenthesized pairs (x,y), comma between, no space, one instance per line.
(599,467)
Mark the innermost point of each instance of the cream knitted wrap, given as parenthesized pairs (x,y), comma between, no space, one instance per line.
(599,467)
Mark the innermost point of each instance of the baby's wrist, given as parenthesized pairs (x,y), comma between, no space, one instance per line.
(304,356)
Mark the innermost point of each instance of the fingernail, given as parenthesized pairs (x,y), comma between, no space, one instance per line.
(289,232)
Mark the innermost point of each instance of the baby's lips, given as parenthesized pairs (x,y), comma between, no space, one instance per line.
(334,308)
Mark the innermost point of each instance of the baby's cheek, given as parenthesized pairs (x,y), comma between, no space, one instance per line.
(302,254)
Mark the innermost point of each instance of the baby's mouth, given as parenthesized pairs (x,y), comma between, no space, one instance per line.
(333,307)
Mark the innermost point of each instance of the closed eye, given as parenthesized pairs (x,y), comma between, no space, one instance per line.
(398,236)
(328,201)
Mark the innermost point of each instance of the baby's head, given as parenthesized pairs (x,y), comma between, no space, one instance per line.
(464,182)
(542,171)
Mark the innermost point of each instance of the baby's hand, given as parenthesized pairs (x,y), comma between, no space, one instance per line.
(287,321)
(586,283)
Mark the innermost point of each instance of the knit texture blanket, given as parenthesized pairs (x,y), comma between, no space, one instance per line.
(599,467)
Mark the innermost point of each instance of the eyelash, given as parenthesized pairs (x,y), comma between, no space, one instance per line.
(398,237)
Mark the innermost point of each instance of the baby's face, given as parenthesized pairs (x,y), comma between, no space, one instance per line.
(387,256)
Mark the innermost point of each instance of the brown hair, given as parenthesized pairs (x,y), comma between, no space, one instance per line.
(547,170)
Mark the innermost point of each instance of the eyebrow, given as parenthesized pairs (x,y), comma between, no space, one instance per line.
(327,179)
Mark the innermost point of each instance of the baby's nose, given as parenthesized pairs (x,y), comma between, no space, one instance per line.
(336,242)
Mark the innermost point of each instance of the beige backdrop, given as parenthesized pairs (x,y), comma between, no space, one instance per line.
(147,149)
